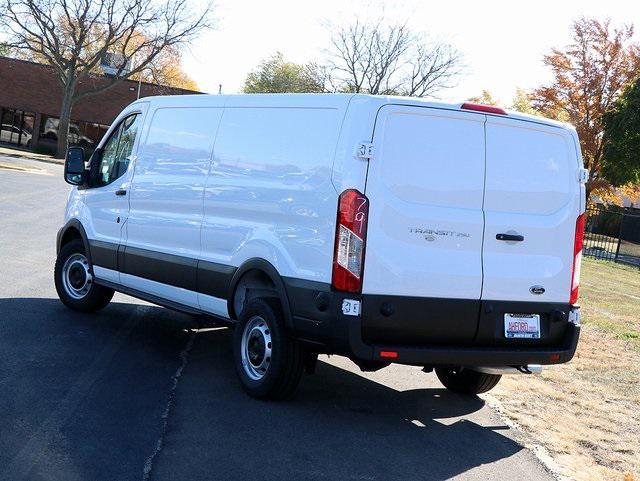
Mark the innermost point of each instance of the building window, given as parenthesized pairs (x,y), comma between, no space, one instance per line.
(84,134)
(16,127)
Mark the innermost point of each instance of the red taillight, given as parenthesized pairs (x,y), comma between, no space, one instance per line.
(351,236)
(389,354)
(489,109)
(577,258)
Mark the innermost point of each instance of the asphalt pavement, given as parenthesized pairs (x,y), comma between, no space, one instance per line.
(138,392)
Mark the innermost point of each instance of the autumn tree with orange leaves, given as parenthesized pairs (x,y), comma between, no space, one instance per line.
(167,70)
(588,76)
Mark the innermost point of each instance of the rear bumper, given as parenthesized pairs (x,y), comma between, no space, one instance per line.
(416,332)
(452,355)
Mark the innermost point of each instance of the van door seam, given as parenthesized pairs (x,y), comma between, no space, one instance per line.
(484,226)
(204,192)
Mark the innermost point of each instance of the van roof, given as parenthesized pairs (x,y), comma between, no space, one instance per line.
(318,100)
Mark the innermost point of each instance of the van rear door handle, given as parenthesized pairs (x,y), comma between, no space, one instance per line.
(121,192)
(510,237)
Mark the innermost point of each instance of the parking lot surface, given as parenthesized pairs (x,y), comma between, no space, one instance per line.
(139,392)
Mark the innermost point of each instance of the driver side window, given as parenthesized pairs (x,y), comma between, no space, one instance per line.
(117,150)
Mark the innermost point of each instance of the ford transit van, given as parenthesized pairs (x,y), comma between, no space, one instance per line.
(385,229)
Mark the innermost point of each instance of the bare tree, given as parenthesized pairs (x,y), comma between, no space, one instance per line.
(74,36)
(323,76)
(432,68)
(390,59)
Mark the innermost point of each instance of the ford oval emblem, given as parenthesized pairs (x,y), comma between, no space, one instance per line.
(537,290)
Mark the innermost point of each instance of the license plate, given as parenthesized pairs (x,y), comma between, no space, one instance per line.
(522,326)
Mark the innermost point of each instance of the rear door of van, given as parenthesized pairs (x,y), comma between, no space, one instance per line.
(423,264)
(532,200)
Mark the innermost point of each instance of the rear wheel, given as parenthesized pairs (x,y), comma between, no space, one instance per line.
(466,381)
(74,281)
(268,361)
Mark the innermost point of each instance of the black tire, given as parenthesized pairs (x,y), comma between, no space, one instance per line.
(286,361)
(466,381)
(95,298)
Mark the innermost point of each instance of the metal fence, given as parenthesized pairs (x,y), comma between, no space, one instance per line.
(613,233)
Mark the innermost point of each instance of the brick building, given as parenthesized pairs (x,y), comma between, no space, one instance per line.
(30,98)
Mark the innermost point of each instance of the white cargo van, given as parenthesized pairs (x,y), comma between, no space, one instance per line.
(386,229)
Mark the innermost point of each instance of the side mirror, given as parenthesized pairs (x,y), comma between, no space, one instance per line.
(74,171)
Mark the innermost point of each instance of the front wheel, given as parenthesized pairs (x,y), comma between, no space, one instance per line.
(268,361)
(466,381)
(74,281)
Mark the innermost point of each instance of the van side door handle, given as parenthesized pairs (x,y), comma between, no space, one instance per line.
(121,192)
(510,237)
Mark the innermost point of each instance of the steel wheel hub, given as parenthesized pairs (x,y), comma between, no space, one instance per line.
(76,276)
(256,348)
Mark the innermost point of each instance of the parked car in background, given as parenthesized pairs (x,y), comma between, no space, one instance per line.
(385,229)
(75,136)
(11,134)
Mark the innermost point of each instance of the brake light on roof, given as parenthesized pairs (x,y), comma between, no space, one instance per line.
(577,258)
(488,109)
(351,235)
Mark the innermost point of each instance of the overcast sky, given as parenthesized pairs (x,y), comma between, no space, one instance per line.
(502,41)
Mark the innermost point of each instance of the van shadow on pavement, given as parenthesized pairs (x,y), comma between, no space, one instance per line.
(83,398)
(82,395)
(339,425)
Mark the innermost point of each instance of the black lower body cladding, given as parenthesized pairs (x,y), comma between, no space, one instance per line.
(419,320)
(410,321)
(179,271)
(420,331)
